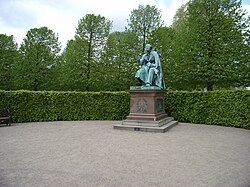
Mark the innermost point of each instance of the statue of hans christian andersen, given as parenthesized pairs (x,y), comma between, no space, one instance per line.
(150,72)
(147,110)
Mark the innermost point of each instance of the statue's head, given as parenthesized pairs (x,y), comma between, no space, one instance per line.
(148,48)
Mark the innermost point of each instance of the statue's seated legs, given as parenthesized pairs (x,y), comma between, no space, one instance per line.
(142,75)
(151,76)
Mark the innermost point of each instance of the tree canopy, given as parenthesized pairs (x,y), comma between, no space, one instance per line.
(83,54)
(38,58)
(206,47)
(8,56)
(143,21)
(213,44)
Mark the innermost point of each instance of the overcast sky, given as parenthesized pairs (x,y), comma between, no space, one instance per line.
(62,16)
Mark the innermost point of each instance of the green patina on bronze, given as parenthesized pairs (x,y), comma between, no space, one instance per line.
(150,72)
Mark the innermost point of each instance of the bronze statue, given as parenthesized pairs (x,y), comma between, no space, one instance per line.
(150,72)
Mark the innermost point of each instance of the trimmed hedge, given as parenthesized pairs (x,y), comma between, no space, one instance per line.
(227,108)
(30,106)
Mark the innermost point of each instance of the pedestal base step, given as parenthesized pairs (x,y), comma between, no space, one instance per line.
(163,128)
(148,122)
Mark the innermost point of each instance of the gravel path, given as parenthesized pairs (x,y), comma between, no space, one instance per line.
(93,154)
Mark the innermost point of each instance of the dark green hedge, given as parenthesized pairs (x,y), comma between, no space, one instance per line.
(29,106)
(227,108)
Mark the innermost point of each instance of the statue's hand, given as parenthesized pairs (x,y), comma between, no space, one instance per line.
(149,64)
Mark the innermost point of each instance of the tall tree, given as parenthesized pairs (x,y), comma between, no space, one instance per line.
(118,65)
(8,56)
(213,44)
(144,20)
(39,52)
(72,68)
(180,17)
(84,52)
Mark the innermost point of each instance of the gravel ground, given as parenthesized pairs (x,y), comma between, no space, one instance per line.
(92,153)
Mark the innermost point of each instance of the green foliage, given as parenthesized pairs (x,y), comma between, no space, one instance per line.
(180,18)
(72,68)
(206,47)
(30,106)
(8,56)
(144,20)
(212,47)
(163,41)
(39,52)
(227,108)
(118,65)
(82,56)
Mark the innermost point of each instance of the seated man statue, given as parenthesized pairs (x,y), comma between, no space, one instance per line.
(150,72)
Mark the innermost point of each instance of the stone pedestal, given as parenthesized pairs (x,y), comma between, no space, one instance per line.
(147,111)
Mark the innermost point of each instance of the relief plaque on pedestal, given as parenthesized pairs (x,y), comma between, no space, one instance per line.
(147,111)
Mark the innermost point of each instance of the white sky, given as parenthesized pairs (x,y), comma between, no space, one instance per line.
(62,16)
